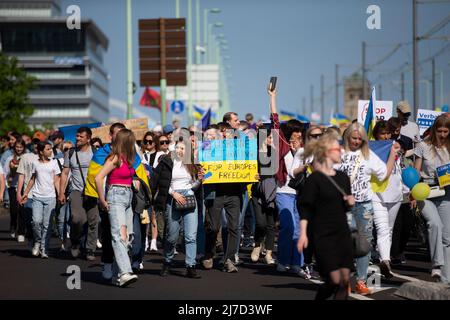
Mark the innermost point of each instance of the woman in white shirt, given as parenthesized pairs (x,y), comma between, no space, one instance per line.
(387,203)
(185,178)
(432,153)
(359,163)
(43,183)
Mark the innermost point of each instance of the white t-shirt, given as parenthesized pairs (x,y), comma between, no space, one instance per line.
(289,161)
(44,185)
(181,179)
(360,171)
(25,168)
(395,189)
(411,130)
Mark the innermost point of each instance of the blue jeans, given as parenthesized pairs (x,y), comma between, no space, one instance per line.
(64,221)
(43,209)
(362,218)
(201,234)
(190,225)
(120,214)
(289,234)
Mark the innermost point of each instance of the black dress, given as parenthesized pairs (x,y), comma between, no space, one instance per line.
(322,205)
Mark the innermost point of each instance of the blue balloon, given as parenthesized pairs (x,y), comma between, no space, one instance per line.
(410,177)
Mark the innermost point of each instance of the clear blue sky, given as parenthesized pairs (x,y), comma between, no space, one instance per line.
(296,40)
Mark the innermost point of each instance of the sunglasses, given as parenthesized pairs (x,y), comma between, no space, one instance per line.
(315,136)
(150,142)
(164,142)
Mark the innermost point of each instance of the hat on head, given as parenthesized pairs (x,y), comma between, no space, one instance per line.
(403,107)
(157,128)
(39,135)
(168,128)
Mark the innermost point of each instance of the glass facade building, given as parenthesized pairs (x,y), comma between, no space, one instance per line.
(72,86)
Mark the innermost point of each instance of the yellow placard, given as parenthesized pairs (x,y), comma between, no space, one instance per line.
(230,171)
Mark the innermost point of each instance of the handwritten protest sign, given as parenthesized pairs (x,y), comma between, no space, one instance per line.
(230,160)
(138,126)
(443,174)
(383,110)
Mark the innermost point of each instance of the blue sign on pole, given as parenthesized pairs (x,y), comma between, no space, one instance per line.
(177,106)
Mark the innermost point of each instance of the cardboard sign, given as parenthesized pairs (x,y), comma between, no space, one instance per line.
(443,175)
(383,110)
(230,160)
(138,126)
(425,119)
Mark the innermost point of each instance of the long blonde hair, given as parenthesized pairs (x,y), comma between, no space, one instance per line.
(365,140)
(124,147)
(318,147)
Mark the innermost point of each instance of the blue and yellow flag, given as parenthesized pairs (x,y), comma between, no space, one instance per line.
(98,161)
(338,118)
(369,123)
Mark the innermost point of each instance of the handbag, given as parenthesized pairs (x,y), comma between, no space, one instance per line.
(190,204)
(361,246)
(298,182)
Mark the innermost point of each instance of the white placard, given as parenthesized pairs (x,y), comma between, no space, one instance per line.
(383,110)
(425,119)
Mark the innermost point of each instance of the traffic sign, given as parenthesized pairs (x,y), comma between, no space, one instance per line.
(177,106)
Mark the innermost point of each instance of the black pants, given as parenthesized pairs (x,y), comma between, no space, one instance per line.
(232,206)
(265,224)
(17,214)
(105,225)
(402,229)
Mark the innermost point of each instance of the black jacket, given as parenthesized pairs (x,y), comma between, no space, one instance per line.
(161,182)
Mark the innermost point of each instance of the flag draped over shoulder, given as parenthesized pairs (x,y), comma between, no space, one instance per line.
(382,149)
(97,163)
(369,122)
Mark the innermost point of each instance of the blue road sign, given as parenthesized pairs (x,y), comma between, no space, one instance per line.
(177,106)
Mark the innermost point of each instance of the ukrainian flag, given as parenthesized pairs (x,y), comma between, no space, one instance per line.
(286,115)
(98,161)
(369,123)
(338,118)
(200,112)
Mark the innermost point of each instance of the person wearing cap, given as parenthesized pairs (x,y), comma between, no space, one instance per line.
(409,128)
(168,131)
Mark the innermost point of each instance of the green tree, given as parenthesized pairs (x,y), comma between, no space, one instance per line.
(15,107)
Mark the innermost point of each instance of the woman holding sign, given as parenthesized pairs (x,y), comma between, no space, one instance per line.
(431,154)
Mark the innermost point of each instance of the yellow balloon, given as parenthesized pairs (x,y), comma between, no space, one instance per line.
(420,191)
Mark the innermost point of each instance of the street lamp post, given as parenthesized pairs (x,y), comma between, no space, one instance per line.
(205,27)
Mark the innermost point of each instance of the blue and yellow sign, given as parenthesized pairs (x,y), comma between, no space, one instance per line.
(229,160)
(443,174)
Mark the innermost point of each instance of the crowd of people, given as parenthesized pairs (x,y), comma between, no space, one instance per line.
(129,197)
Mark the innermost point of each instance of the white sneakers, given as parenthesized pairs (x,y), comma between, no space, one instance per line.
(35,250)
(153,246)
(21,238)
(99,244)
(255,254)
(126,279)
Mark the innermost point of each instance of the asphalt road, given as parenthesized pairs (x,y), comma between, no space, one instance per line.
(25,277)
